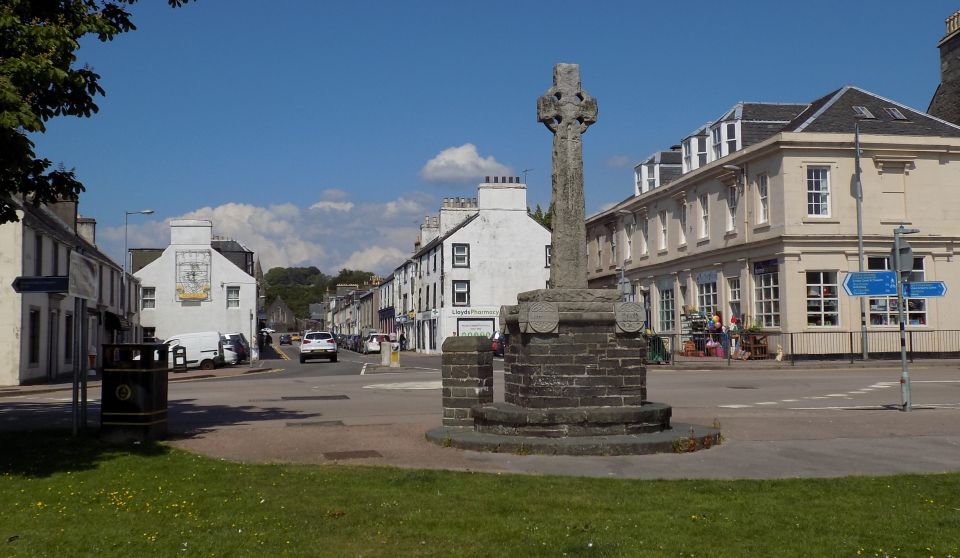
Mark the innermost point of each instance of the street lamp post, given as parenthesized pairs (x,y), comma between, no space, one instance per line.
(864,340)
(124,299)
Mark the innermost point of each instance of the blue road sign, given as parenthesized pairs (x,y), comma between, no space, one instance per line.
(52,284)
(924,289)
(870,283)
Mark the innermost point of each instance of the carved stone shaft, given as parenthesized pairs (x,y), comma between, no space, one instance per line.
(567,111)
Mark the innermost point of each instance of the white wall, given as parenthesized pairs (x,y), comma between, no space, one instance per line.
(507,256)
(11,254)
(171,316)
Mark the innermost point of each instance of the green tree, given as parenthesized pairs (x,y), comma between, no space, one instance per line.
(545,219)
(39,80)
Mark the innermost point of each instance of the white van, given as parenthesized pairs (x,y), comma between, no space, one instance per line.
(204,348)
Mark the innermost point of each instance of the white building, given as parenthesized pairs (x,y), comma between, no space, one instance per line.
(487,250)
(193,287)
(38,330)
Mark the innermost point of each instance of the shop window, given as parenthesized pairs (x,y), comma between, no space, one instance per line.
(823,299)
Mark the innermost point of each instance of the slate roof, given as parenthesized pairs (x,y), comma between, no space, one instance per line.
(834,113)
(43,220)
(777,112)
(436,241)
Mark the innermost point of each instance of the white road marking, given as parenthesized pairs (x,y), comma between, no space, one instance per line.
(364,369)
(789,400)
(435,384)
(860,392)
(766,403)
(836,395)
(736,406)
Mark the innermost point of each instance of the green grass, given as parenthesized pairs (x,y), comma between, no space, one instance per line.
(62,497)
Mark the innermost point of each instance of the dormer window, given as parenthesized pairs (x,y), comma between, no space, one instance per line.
(651,176)
(731,137)
(717,143)
(687,155)
(701,151)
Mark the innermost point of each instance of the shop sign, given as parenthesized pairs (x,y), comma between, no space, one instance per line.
(766,266)
(476,312)
(706,277)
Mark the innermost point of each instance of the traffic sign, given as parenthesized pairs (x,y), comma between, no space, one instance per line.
(54,284)
(870,283)
(924,289)
(905,259)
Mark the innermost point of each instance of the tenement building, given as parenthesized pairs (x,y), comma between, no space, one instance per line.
(761,223)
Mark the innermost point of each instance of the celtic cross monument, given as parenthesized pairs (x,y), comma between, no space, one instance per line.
(575,378)
(567,111)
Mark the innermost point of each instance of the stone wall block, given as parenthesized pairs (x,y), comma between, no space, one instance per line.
(622,353)
(467,378)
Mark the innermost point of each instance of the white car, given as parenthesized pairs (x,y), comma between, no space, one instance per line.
(318,344)
(373,342)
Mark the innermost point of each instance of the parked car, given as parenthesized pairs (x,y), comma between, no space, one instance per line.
(241,345)
(498,343)
(203,348)
(373,342)
(286,339)
(230,353)
(294,337)
(318,344)
(267,330)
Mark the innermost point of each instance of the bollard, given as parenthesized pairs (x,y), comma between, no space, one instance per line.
(394,355)
(384,354)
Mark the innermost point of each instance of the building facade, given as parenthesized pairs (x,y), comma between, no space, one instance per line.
(192,287)
(474,257)
(42,332)
(763,229)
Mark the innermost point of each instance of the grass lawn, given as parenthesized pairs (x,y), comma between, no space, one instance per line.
(62,497)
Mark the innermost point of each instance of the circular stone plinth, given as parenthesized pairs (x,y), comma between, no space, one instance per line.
(681,438)
(562,422)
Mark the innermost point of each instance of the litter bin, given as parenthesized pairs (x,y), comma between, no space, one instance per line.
(133,398)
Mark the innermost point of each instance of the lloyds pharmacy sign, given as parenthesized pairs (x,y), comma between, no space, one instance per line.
(477,312)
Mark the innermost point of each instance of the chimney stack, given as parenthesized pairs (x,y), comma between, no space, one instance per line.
(87,229)
(946,100)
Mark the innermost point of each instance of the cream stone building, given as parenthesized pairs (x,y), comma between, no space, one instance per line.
(761,224)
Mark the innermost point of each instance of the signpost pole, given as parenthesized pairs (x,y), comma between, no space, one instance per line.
(899,266)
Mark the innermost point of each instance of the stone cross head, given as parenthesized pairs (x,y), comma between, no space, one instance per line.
(566,102)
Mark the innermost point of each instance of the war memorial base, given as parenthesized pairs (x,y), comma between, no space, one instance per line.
(575,383)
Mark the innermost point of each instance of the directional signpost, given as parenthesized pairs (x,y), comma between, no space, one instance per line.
(924,289)
(53,284)
(870,283)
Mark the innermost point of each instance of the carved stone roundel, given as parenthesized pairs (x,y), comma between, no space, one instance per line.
(543,317)
(629,316)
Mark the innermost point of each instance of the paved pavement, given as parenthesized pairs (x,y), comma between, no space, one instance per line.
(778,420)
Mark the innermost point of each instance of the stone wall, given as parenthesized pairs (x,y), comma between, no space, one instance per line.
(467,372)
(574,348)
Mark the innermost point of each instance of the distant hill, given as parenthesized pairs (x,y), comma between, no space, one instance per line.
(302,286)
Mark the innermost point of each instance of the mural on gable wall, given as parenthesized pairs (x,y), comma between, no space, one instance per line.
(193,275)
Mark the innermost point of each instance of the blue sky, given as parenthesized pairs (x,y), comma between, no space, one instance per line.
(306,129)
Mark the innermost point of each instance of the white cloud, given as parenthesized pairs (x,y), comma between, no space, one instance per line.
(462,164)
(333,206)
(373,236)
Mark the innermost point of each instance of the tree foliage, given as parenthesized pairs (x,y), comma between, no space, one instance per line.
(544,218)
(302,286)
(39,80)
